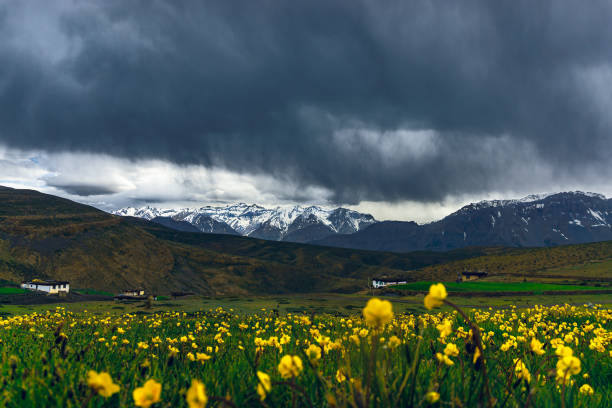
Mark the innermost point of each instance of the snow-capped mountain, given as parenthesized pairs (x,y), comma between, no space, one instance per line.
(539,220)
(296,224)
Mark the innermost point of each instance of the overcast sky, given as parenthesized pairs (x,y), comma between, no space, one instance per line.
(405,109)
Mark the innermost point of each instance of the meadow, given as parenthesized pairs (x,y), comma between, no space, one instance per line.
(485,286)
(375,355)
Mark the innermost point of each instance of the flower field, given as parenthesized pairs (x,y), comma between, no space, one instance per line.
(559,356)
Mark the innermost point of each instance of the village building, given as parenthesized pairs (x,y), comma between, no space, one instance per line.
(47,286)
(133,292)
(471,275)
(382,282)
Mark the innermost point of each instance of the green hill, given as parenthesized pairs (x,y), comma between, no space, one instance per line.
(570,263)
(47,236)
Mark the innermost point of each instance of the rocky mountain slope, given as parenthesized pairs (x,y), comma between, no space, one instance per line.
(534,221)
(43,236)
(295,224)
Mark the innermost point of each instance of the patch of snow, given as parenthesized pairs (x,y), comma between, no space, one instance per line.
(576,222)
(597,215)
(245,218)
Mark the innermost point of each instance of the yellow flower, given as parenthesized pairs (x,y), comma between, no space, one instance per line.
(536,346)
(436,296)
(443,358)
(451,350)
(394,342)
(521,370)
(586,389)
(102,383)
(476,355)
(202,357)
(290,366)
(445,328)
(264,386)
(340,377)
(563,351)
(148,394)
(314,353)
(378,312)
(570,364)
(432,397)
(196,395)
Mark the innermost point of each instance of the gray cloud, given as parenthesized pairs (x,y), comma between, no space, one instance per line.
(328,94)
(83,190)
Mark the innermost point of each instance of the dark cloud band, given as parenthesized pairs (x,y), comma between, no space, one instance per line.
(289,88)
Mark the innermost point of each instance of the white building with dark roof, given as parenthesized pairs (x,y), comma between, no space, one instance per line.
(382,282)
(47,286)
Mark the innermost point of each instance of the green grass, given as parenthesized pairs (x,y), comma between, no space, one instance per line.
(485,286)
(46,357)
(92,292)
(10,290)
(336,304)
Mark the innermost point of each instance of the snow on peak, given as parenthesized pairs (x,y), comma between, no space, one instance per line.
(247,218)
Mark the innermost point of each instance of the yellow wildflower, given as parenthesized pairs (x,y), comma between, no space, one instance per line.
(586,389)
(521,370)
(102,383)
(536,346)
(432,397)
(290,366)
(443,358)
(314,353)
(436,296)
(202,357)
(264,386)
(451,350)
(378,312)
(394,342)
(445,328)
(196,395)
(148,394)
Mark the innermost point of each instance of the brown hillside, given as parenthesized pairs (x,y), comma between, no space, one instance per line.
(47,236)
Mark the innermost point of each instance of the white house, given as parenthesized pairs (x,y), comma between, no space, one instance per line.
(48,286)
(133,292)
(382,282)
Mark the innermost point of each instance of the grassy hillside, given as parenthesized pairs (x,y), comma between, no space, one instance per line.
(47,236)
(580,263)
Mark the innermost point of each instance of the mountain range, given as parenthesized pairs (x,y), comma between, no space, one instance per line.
(44,236)
(534,221)
(294,224)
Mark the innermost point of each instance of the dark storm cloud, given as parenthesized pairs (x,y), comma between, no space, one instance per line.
(83,190)
(289,88)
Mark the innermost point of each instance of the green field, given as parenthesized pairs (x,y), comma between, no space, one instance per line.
(317,303)
(484,286)
(92,292)
(10,290)
(386,360)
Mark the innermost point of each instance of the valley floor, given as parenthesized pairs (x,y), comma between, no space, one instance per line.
(317,303)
